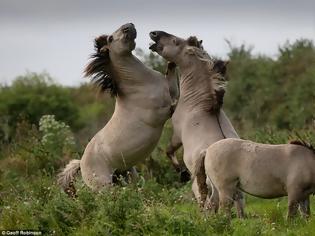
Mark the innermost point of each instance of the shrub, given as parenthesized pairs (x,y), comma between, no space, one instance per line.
(29,98)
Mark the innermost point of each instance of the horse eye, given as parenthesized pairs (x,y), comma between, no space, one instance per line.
(110,39)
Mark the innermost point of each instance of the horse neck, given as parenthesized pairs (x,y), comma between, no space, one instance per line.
(196,91)
(125,67)
(130,73)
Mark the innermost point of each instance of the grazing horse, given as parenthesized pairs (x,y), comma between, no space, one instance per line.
(198,120)
(143,104)
(262,170)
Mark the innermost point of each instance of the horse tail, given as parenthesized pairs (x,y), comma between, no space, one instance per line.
(199,164)
(67,176)
(199,173)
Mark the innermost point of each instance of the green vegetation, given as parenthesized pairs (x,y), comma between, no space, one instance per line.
(277,93)
(44,125)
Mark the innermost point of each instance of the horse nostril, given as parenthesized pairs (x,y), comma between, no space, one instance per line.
(154,34)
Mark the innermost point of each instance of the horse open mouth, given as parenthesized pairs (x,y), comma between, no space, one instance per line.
(156,47)
(153,47)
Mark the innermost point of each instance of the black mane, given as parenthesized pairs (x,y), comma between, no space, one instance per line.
(219,68)
(99,68)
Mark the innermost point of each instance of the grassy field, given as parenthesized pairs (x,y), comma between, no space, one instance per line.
(145,208)
(154,205)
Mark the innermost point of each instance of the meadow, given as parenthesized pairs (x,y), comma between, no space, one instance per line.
(43,125)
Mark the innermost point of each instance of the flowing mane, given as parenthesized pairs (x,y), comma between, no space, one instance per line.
(304,144)
(216,70)
(99,68)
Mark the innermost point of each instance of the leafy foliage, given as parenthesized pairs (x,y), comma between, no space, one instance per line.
(272,92)
(55,134)
(32,96)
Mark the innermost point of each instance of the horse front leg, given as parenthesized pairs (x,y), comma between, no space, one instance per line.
(173,146)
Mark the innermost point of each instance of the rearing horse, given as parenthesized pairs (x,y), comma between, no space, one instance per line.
(143,104)
(198,120)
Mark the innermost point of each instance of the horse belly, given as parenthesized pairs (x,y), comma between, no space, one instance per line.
(262,185)
(134,157)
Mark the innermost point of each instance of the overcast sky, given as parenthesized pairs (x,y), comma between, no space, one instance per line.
(57,35)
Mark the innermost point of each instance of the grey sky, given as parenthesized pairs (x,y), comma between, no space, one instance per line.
(57,36)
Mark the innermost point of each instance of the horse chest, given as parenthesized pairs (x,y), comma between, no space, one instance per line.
(159,95)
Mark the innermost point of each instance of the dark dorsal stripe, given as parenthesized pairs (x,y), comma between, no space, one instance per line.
(303,143)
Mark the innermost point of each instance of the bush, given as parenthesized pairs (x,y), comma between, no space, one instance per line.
(56,136)
(39,151)
(29,98)
(278,93)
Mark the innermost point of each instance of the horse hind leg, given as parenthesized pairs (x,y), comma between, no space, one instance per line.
(132,175)
(305,207)
(295,196)
(102,181)
(98,178)
(239,203)
(200,188)
(226,202)
(212,203)
(227,194)
(125,177)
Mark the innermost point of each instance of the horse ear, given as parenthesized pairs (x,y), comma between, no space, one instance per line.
(200,42)
(193,41)
(100,43)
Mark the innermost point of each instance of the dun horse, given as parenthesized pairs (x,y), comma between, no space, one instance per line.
(198,120)
(262,170)
(143,104)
